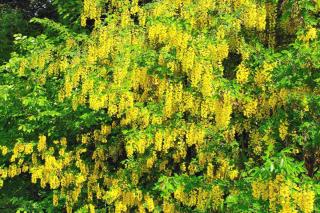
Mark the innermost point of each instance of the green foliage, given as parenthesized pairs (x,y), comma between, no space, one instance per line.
(11,22)
(69,11)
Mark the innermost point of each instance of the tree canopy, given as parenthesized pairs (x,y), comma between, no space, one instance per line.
(160,106)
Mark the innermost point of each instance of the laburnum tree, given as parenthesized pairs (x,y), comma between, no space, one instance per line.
(164,106)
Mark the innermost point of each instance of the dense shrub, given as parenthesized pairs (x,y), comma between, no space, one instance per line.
(170,105)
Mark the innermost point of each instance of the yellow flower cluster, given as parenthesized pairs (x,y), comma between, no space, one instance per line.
(271,8)
(242,74)
(4,150)
(200,198)
(195,136)
(90,11)
(149,203)
(254,16)
(22,68)
(304,199)
(279,192)
(264,74)
(310,35)
(283,130)
(42,144)
(223,111)
(250,108)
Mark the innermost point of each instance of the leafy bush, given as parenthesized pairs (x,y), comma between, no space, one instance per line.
(173,106)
